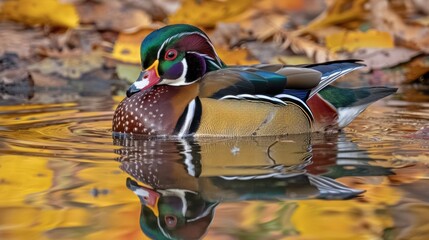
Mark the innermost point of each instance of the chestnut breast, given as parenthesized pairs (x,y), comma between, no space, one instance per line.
(154,112)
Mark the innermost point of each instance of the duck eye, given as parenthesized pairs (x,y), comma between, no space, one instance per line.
(170,55)
(170,221)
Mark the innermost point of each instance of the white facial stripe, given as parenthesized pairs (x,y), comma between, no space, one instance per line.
(185,34)
(211,60)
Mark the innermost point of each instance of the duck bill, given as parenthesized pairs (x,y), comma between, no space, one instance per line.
(147,79)
(148,197)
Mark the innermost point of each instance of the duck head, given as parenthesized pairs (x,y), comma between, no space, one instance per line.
(172,213)
(175,55)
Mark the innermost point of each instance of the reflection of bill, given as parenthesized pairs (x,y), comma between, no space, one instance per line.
(184,180)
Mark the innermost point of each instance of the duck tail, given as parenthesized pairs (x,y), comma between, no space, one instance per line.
(350,102)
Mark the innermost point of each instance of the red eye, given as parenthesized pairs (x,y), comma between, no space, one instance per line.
(170,55)
(170,221)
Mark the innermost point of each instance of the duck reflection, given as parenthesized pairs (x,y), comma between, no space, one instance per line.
(182,181)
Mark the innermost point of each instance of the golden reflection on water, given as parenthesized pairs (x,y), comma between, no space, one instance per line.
(61,177)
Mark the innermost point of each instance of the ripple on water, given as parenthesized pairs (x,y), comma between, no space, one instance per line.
(68,130)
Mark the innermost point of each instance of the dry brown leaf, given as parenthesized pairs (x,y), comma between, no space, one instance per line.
(313,50)
(35,12)
(227,34)
(377,58)
(15,39)
(69,66)
(421,5)
(412,36)
(424,21)
(47,81)
(352,40)
(416,68)
(158,10)
(258,27)
(113,15)
(263,26)
(338,11)
(207,13)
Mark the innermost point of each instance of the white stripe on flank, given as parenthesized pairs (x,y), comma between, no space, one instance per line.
(301,103)
(264,98)
(188,120)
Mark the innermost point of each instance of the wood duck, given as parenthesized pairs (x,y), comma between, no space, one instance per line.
(185,89)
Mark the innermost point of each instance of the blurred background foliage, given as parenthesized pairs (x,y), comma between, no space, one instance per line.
(52,42)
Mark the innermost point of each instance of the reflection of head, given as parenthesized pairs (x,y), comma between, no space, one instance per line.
(172,213)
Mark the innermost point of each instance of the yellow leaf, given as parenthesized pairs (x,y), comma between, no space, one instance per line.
(338,11)
(384,18)
(352,40)
(207,13)
(127,46)
(35,12)
(236,56)
(283,6)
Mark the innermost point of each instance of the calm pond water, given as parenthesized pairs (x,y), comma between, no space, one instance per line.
(62,176)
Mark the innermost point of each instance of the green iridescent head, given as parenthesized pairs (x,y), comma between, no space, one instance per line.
(176,55)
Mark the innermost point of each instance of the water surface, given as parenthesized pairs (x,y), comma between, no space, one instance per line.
(62,176)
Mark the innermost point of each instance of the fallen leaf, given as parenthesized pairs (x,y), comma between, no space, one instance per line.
(412,36)
(236,56)
(228,34)
(416,68)
(263,26)
(207,13)
(16,39)
(352,40)
(35,12)
(338,11)
(421,5)
(377,58)
(113,15)
(69,66)
(127,46)
(310,48)
(158,10)
(283,6)
(47,81)
(424,21)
